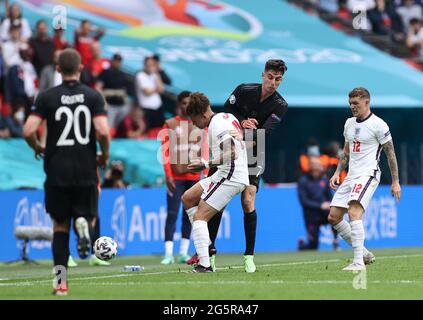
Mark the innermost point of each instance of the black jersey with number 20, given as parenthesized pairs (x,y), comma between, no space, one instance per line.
(70,155)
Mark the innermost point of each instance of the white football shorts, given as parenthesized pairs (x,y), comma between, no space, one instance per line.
(360,189)
(218,193)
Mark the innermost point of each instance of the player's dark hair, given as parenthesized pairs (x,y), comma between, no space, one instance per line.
(69,62)
(198,104)
(360,92)
(276,65)
(183,95)
(414,21)
(84,21)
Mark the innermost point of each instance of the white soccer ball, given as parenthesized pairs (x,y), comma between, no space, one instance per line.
(105,248)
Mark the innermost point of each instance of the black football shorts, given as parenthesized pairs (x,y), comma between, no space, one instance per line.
(63,203)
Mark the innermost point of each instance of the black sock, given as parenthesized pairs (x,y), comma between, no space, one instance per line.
(213,226)
(94,233)
(60,248)
(250,224)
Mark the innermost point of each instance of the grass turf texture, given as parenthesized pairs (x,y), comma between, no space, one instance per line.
(396,274)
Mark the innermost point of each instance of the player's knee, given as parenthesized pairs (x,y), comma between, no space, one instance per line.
(333,219)
(93,222)
(61,226)
(355,210)
(186,200)
(248,205)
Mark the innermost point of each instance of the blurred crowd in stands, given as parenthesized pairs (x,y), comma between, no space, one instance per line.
(28,58)
(28,61)
(394,26)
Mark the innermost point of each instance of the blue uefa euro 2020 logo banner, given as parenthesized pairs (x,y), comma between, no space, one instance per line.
(136,220)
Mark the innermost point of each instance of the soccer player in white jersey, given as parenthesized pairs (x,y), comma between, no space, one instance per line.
(365,136)
(229,155)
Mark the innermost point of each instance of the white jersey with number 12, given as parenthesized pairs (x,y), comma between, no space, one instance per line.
(365,140)
(219,130)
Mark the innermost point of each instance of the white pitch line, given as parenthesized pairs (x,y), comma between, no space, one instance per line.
(222,282)
(28,283)
(283,264)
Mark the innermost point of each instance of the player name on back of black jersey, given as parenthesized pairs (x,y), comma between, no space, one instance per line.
(77,98)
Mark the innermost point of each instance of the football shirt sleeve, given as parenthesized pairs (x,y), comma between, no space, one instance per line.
(233,103)
(345,129)
(275,118)
(39,108)
(383,134)
(99,108)
(224,127)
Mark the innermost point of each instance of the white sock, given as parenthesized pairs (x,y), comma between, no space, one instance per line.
(357,240)
(344,230)
(183,249)
(191,212)
(169,248)
(200,235)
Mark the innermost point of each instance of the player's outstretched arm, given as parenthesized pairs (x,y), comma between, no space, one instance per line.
(343,163)
(389,150)
(30,135)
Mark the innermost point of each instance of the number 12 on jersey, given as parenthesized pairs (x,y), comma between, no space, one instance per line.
(356,146)
(357,188)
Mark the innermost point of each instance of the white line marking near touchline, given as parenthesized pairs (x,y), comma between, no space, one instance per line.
(126,275)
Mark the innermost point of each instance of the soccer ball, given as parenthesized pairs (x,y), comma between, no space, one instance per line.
(105,248)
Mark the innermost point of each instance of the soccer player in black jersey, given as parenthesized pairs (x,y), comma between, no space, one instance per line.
(76,117)
(256,106)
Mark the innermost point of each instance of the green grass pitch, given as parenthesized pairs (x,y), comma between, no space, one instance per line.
(396,274)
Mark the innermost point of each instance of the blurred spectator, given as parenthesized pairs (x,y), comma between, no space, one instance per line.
(163,75)
(11,123)
(415,37)
(329,5)
(4,130)
(330,160)
(84,38)
(59,39)
(16,121)
(114,176)
(4,114)
(409,10)
(29,75)
(42,47)
(113,84)
(132,126)
(50,77)
(97,65)
(315,195)
(14,84)
(312,150)
(15,14)
(11,47)
(149,86)
(386,21)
